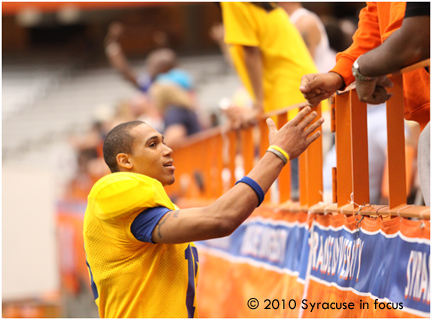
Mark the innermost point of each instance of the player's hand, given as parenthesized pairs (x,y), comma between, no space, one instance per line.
(319,86)
(296,135)
(374,92)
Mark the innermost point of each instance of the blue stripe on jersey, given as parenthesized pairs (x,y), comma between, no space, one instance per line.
(143,225)
(191,255)
(93,284)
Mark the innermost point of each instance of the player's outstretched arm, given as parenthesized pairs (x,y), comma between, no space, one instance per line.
(224,216)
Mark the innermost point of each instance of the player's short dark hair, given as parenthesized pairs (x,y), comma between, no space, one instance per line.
(118,140)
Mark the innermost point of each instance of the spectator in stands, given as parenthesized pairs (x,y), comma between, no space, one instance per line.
(314,34)
(217,33)
(88,149)
(268,54)
(311,28)
(407,45)
(241,98)
(377,22)
(338,33)
(374,28)
(270,57)
(178,111)
(160,62)
(142,109)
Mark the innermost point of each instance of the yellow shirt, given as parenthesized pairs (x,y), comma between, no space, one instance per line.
(285,56)
(131,278)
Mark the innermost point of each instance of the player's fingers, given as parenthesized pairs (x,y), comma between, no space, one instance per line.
(271,125)
(299,117)
(312,137)
(302,125)
(314,126)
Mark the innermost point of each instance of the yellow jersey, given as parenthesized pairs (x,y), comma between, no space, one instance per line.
(285,56)
(133,278)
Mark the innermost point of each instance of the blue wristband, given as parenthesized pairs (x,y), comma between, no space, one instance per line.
(255,186)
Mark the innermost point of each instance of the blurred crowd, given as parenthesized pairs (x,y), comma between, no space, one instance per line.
(165,100)
(166,97)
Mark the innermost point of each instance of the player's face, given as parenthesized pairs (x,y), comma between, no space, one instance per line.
(150,156)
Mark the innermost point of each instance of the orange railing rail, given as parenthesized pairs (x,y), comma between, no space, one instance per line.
(209,163)
(351,146)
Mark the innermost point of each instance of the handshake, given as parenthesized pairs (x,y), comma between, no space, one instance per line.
(319,86)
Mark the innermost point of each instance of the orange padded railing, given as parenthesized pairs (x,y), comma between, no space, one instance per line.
(209,163)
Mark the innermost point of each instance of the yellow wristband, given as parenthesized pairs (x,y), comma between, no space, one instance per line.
(281,151)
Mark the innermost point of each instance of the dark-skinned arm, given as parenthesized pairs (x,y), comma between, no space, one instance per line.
(254,66)
(405,46)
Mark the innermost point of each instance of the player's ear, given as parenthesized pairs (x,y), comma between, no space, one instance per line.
(123,161)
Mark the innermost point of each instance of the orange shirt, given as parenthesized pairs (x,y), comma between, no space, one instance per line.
(377,21)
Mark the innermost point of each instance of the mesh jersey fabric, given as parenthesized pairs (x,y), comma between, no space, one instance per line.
(131,278)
